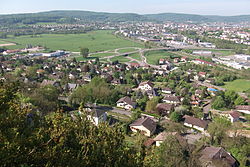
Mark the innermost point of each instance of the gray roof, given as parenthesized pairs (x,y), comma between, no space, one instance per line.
(215,154)
(162,136)
(97,113)
(127,100)
(146,122)
(172,98)
(196,121)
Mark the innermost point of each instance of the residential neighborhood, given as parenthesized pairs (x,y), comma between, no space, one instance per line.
(83,88)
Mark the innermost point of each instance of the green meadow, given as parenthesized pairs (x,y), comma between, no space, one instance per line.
(238,85)
(96,41)
(154,56)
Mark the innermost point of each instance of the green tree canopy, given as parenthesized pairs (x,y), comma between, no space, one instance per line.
(84,52)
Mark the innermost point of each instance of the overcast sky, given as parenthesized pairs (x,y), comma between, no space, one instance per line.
(204,7)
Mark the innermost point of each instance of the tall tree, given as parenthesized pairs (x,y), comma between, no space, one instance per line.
(84,52)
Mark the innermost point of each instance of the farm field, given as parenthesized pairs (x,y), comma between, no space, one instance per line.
(154,56)
(96,41)
(238,85)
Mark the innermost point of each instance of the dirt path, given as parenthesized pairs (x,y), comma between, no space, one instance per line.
(7,44)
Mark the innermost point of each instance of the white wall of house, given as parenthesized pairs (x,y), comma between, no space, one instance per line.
(194,126)
(145,87)
(158,143)
(96,120)
(124,105)
(167,92)
(145,131)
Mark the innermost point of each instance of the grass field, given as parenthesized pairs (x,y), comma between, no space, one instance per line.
(238,85)
(2,42)
(219,52)
(223,52)
(125,50)
(135,56)
(154,56)
(121,59)
(100,55)
(96,41)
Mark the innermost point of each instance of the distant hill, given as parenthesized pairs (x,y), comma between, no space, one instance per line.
(87,16)
(197,18)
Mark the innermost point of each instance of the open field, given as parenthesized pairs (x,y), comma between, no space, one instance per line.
(238,85)
(3,42)
(96,41)
(121,59)
(125,50)
(219,52)
(100,55)
(154,56)
(223,52)
(135,56)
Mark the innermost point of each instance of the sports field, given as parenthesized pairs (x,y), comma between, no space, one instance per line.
(96,41)
(238,85)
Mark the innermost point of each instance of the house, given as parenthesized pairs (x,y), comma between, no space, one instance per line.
(97,116)
(176,60)
(167,90)
(164,108)
(160,138)
(216,157)
(151,93)
(126,103)
(198,93)
(87,78)
(145,86)
(195,123)
(171,99)
(94,115)
(162,61)
(49,82)
(195,101)
(70,86)
(199,61)
(184,59)
(145,125)
(202,74)
(116,81)
(134,65)
(234,116)
(243,108)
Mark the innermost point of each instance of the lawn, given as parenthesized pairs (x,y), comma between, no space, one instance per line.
(238,85)
(223,52)
(121,59)
(135,56)
(100,55)
(154,56)
(96,41)
(2,42)
(126,50)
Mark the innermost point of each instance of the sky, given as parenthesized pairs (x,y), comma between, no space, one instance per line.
(203,7)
